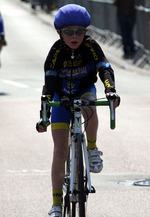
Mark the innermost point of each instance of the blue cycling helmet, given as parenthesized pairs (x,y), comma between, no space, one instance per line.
(72,15)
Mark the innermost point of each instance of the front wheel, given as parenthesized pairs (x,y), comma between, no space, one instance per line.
(77,208)
(81,187)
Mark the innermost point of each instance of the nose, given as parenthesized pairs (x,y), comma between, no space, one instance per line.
(74,35)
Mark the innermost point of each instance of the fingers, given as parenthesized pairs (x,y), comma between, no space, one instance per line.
(116,103)
(42,129)
(115,97)
(107,94)
(48,123)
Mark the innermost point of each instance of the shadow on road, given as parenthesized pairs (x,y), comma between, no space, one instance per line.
(3,94)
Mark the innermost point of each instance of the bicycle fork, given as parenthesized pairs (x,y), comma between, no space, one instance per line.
(73,178)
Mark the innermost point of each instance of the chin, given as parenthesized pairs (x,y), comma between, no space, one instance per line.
(74,46)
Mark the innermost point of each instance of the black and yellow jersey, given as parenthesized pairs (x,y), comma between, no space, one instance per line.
(68,71)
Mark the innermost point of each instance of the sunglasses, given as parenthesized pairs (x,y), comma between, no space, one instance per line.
(71,32)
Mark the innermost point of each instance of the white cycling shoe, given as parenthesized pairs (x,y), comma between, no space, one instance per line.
(56,211)
(95,162)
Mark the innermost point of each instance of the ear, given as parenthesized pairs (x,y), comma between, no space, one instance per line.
(58,31)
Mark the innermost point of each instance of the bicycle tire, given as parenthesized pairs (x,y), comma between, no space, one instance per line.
(66,198)
(81,195)
(77,209)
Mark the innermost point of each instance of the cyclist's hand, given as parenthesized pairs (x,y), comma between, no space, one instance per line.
(115,97)
(40,128)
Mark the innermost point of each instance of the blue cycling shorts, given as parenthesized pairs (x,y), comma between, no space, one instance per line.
(60,116)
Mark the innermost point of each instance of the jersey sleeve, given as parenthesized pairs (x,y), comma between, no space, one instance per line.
(51,71)
(104,68)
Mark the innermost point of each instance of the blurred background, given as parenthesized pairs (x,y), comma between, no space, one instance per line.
(104,18)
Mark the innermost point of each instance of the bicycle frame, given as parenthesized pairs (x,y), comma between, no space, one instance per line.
(73,191)
(78,130)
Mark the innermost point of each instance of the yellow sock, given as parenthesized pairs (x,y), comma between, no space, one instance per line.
(91,143)
(57,197)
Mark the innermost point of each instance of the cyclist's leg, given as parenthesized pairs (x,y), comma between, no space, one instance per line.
(92,125)
(60,118)
(60,138)
(95,162)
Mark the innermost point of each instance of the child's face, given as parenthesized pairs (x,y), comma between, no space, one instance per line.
(73,35)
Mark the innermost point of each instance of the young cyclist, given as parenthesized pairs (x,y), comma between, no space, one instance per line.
(71,69)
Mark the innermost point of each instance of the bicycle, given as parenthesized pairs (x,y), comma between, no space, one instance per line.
(77,182)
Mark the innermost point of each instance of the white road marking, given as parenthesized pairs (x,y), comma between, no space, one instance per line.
(16,84)
(40,171)
(21,85)
(34,172)
(38,90)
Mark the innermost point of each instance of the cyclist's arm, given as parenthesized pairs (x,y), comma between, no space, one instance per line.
(49,87)
(106,75)
(44,122)
(51,66)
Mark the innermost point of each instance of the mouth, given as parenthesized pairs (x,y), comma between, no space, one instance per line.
(74,42)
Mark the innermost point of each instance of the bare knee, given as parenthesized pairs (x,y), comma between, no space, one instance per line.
(60,138)
(94,118)
(60,154)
